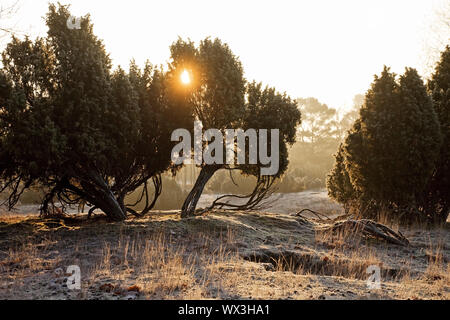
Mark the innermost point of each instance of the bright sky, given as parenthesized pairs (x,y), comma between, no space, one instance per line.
(326,49)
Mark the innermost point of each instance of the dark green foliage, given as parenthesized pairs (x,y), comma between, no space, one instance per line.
(339,185)
(390,153)
(221,99)
(75,128)
(436,198)
(218,85)
(268,109)
(391,156)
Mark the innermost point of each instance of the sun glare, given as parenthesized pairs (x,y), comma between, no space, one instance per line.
(185,77)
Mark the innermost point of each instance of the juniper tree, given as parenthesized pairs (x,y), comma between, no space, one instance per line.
(266,109)
(390,153)
(218,100)
(78,130)
(339,185)
(436,198)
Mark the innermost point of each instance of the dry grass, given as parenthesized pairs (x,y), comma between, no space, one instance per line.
(434,281)
(156,268)
(163,257)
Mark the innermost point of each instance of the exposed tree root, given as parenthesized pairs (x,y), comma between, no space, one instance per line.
(262,191)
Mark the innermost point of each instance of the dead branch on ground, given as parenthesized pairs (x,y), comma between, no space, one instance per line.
(369,229)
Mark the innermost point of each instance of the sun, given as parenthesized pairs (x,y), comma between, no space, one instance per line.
(185,77)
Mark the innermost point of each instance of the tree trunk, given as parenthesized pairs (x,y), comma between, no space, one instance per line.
(112,207)
(443,216)
(104,199)
(190,204)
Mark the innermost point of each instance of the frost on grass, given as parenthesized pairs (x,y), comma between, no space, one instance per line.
(223,255)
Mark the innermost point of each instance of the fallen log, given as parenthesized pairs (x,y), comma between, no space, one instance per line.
(369,229)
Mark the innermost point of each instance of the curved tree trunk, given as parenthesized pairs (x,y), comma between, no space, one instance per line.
(190,204)
(109,204)
(112,207)
(103,198)
(157,183)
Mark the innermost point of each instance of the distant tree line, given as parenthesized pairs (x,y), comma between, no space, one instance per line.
(311,158)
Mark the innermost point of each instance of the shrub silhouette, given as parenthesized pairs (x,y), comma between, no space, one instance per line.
(81,132)
(436,198)
(390,153)
(222,99)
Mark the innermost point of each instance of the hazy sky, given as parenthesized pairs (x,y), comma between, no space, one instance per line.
(326,49)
